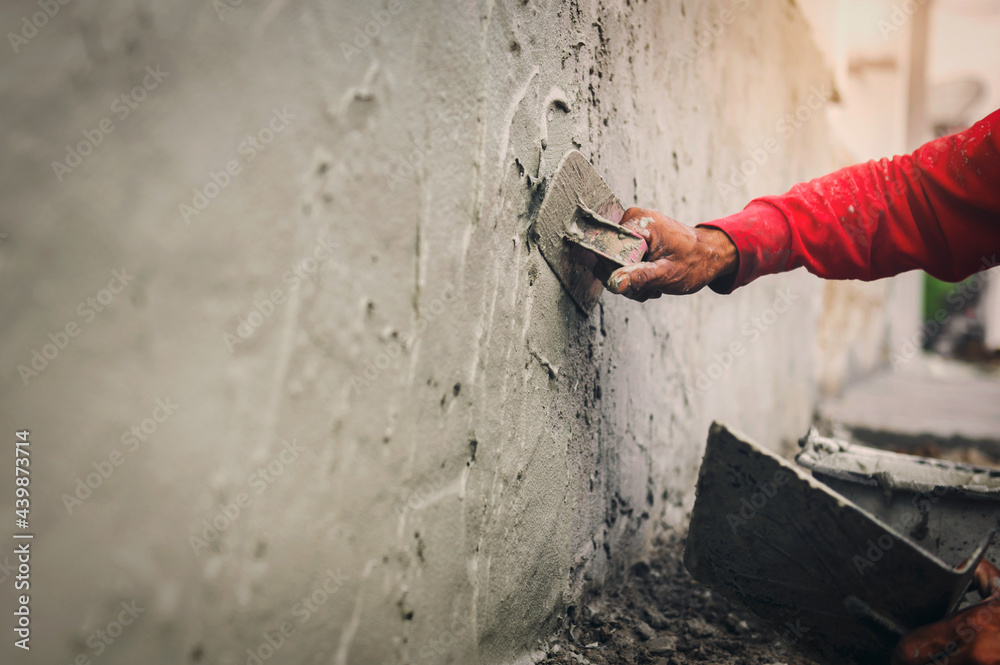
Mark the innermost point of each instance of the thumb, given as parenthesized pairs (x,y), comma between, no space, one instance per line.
(629,278)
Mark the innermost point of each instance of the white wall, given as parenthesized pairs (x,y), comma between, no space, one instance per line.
(867,45)
(456,498)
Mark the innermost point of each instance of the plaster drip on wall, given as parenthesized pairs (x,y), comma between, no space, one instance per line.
(420,257)
(552,369)
(362,91)
(486,20)
(509,117)
(347,635)
(456,488)
(286,348)
(485,327)
(556,96)
(529,305)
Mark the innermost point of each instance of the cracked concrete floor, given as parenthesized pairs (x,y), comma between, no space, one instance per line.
(661,616)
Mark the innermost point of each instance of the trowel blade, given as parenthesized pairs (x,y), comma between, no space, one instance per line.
(841,584)
(575,188)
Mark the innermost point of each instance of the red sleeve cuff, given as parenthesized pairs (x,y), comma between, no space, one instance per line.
(763,243)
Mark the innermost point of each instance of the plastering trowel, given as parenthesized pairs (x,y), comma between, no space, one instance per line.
(577,230)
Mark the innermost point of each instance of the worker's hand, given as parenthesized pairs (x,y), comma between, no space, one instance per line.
(986,579)
(970,637)
(680,260)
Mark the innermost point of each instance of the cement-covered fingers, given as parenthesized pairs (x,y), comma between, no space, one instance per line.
(680,259)
(987,579)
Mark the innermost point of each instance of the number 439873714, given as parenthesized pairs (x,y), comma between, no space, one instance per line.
(22,478)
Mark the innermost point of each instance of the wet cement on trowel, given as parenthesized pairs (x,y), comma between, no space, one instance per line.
(660,615)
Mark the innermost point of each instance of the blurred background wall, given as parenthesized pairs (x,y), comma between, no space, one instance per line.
(299,384)
(909,71)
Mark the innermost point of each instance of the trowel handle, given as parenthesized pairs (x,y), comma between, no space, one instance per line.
(608,240)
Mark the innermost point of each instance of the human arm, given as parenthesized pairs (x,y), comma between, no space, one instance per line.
(937,209)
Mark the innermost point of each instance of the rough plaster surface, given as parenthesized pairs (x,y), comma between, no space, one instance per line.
(456,493)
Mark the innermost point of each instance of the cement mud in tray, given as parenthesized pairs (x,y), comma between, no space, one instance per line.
(661,616)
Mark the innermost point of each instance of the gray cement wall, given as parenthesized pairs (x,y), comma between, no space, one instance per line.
(416,450)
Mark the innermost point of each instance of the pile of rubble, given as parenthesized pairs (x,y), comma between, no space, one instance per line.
(661,616)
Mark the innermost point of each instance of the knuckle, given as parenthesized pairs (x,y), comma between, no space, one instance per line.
(639,277)
(633,214)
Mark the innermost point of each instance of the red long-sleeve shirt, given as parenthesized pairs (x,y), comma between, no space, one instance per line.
(937,209)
